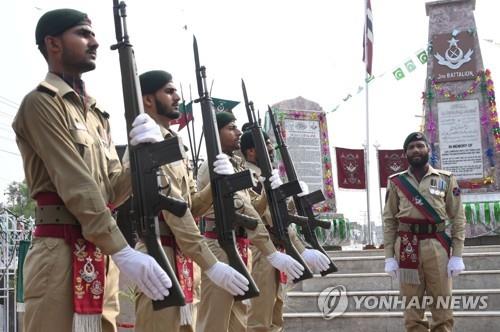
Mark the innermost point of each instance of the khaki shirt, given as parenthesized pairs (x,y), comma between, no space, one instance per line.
(179,183)
(67,149)
(259,199)
(448,208)
(259,236)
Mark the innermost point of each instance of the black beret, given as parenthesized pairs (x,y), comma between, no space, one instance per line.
(246,127)
(154,80)
(246,140)
(416,136)
(55,22)
(223,118)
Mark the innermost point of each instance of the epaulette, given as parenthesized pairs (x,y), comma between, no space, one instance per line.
(396,174)
(104,114)
(47,88)
(442,171)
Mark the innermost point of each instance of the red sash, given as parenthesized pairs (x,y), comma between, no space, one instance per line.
(242,244)
(88,263)
(409,247)
(184,267)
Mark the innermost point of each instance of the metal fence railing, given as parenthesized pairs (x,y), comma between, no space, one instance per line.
(14,231)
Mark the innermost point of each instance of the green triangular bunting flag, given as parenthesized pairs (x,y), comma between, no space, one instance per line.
(223,105)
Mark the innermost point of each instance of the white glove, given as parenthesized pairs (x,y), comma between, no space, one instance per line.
(304,187)
(145,130)
(227,278)
(316,260)
(286,264)
(392,267)
(143,270)
(275,179)
(455,266)
(222,165)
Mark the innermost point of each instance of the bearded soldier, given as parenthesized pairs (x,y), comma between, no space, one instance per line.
(180,237)
(419,203)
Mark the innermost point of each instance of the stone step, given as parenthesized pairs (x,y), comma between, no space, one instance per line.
(364,264)
(465,321)
(389,300)
(381,281)
(380,252)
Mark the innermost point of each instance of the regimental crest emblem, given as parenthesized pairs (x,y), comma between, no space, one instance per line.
(394,163)
(350,164)
(454,56)
(96,289)
(80,250)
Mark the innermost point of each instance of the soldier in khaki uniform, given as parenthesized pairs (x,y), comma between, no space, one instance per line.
(266,310)
(418,203)
(181,238)
(73,172)
(218,311)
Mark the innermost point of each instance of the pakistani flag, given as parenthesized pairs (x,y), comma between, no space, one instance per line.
(410,65)
(186,111)
(422,56)
(398,74)
(223,105)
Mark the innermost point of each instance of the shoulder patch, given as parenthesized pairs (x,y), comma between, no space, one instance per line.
(104,114)
(47,88)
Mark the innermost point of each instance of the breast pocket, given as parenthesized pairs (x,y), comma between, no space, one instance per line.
(83,143)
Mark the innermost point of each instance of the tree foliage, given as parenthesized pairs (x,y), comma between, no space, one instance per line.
(19,201)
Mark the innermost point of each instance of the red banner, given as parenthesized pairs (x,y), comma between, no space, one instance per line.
(390,162)
(351,168)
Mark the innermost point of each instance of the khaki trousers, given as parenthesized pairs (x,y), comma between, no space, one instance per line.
(48,294)
(218,312)
(266,310)
(168,319)
(434,282)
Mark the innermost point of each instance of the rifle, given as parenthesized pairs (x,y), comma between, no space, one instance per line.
(223,186)
(276,198)
(145,159)
(303,204)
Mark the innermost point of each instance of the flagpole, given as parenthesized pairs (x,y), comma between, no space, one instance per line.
(376,146)
(367,167)
(368,59)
